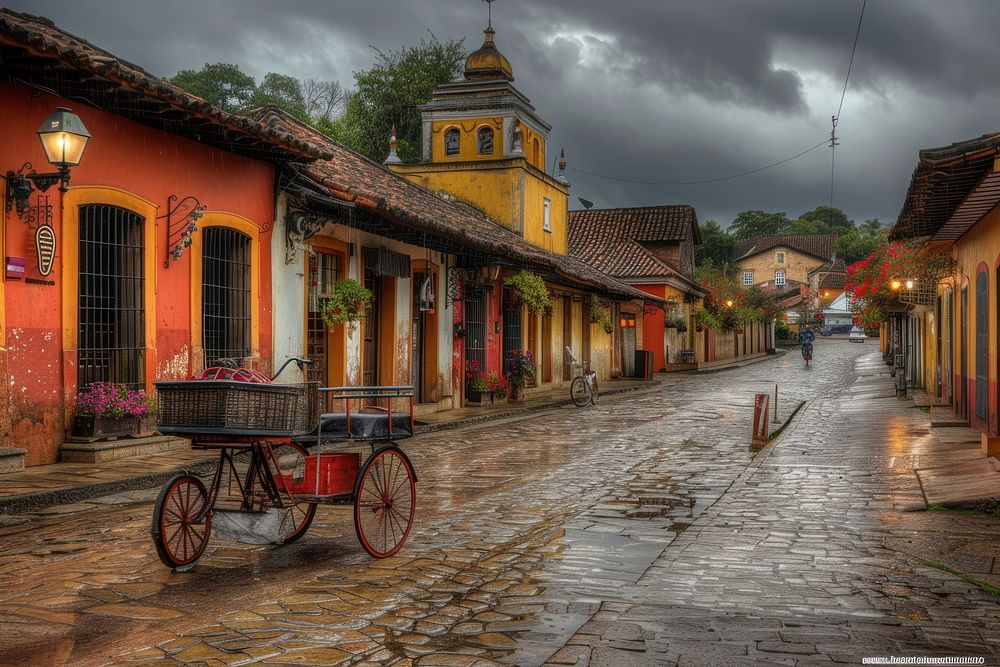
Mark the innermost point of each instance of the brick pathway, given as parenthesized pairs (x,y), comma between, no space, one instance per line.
(639,532)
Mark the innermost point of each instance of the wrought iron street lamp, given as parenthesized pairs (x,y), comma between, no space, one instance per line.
(64,139)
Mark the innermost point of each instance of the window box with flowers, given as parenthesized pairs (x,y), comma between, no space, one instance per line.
(109,410)
(483,388)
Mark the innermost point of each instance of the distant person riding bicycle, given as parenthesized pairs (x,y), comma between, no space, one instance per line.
(806,338)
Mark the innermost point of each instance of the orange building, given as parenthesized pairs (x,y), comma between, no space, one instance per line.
(159,246)
(652,249)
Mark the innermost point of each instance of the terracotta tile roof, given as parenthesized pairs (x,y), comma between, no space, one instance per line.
(352,177)
(611,240)
(644,223)
(941,181)
(34,50)
(817,245)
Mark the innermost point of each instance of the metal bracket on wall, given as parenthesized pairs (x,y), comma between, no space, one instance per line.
(182,221)
(300,226)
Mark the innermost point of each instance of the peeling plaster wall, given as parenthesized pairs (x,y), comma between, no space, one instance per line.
(289,306)
(288,296)
(125,162)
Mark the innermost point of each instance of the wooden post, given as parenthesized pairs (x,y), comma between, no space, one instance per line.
(774,410)
(760,410)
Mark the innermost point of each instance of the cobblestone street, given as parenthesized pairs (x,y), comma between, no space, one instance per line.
(641,531)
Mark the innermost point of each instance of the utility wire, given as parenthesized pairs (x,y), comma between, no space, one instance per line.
(830,142)
(851,64)
(707,180)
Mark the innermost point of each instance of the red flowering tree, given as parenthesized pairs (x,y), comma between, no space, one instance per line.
(877,282)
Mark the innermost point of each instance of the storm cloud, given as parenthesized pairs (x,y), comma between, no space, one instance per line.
(659,92)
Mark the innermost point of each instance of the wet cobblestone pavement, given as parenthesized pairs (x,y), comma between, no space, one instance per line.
(642,531)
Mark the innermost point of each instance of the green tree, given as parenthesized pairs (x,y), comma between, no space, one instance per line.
(389,93)
(858,243)
(221,84)
(830,220)
(284,92)
(748,224)
(718,247)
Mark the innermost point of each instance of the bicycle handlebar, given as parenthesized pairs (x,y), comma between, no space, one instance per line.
(299,361)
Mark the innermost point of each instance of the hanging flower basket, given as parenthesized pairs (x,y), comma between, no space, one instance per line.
(531,291)
(349,303)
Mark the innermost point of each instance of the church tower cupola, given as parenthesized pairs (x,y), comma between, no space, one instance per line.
(487,63)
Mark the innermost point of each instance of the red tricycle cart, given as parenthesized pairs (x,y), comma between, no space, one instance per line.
(274,466)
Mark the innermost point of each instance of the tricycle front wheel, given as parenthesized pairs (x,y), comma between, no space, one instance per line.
(181,521)
(384,502)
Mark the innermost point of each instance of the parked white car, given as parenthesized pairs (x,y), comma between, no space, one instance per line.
(857,335)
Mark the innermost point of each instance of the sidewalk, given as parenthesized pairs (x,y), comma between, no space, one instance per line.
(814,555)
(65,483)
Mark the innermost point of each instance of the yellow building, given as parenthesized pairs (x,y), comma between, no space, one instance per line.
(782,259)
(949,335)
(484,145)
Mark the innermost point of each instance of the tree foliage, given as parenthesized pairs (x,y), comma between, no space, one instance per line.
(282,91)
(748,224)
(228,87)
(222,84)
(390,92)
(859,242)
(729,305)
(718,247)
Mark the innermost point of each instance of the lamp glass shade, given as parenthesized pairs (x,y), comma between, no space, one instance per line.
(64,138)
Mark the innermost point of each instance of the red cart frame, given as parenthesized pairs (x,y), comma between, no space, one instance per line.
(266,474)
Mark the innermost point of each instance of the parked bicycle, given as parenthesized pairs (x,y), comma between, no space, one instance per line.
(583,389)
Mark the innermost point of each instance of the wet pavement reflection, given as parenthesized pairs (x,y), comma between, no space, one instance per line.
(535,536)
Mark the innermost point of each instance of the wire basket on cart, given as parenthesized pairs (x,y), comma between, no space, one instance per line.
(237,408)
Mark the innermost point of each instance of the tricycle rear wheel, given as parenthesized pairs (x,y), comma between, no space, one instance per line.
(181,521)
(384,502)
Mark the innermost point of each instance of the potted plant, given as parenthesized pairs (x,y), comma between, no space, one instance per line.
(531,290)
(349,303)
(521,371)
(459,330)
(109,409)
(600,314)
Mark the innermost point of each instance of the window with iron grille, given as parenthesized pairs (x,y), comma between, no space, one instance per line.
(324,271)
(225,294)
(779,277)
(475,330)
(112,333)
(511,327)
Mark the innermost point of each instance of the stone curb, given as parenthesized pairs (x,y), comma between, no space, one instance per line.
(36,501)
(459,423)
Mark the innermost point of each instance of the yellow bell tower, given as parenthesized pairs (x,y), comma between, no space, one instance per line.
(483,143)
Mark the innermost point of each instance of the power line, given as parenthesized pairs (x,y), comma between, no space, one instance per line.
(707,180)
(832,142)
(851,63)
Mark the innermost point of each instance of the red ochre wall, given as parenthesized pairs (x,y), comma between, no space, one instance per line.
(653,330)
(132,161)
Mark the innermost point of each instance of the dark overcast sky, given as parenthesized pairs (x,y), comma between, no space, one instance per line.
(649,90)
